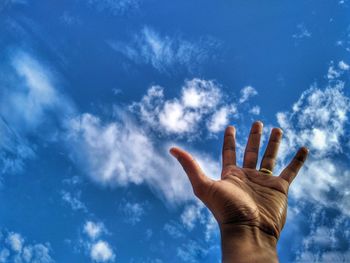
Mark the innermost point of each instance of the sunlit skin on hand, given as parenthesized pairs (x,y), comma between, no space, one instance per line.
(249,205)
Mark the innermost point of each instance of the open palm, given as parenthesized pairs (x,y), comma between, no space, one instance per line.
(244,195)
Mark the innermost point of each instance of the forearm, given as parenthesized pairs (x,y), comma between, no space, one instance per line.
(246,244)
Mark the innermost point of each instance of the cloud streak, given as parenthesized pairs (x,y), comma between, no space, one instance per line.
(164,52)
(115,7)
(29,104)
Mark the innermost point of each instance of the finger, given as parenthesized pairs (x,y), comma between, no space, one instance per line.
(269,158)
(291,171)
(252,149)
(195,174)
(229,147)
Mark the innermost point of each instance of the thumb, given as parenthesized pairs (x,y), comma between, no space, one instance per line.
(198,179)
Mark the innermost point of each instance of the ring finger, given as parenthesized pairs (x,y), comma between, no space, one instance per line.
(269,159)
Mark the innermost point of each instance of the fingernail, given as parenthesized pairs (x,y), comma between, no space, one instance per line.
(259,122)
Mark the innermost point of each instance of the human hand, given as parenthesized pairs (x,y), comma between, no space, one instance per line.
(246,200)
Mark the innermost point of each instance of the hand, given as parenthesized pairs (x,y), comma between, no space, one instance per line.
(246,198)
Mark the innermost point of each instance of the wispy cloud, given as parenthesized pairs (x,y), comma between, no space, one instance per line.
(71,194)
(302,32)
(69,19)
(327,240)
(166,53)
(121,153)
(115,7)
(197,215)
(14,149)
(246,93)
(133,212)
(192,251)
(28,101)
(73,200)
(8,3)
(34,95)
(335,71)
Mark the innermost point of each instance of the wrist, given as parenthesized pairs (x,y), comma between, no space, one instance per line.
(244,244)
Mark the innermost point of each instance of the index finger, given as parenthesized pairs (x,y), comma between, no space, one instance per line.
(229,147)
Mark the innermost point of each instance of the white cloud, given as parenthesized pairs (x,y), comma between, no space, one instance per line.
(73,199)
(255,110)
(333,73)
(19,251)
(319,120)
(133,212)
(220,119)
(343,66)
(246,93)
(174,118)
(120,153)
(200,101)
(114,151)
(38,253)
(94,230)
(200,94)
(165,52)
(101,251)
(15,241)
(326,173)
(336,71)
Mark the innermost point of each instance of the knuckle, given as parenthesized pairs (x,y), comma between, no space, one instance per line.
(229,148)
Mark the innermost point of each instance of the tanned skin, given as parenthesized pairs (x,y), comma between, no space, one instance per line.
(250,206)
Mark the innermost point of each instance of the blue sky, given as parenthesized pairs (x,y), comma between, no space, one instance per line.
(94,92)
